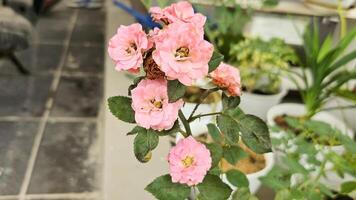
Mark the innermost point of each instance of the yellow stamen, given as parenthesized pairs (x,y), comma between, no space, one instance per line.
(182,52)
(188,161)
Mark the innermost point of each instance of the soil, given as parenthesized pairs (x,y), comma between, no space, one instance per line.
(281,122)
(192,95)
(251,164)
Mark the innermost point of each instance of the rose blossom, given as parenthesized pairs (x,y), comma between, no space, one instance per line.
(151,106)
(227,77)
(178,12)
(189,162)
(183,54)
(127,46)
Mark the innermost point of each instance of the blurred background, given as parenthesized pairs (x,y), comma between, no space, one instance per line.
(57,138)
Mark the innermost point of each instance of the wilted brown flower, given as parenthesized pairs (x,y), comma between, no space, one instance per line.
(151,68)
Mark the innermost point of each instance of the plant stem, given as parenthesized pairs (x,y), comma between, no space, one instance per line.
(201,99)
(339,107)
(204,115)
(185,123)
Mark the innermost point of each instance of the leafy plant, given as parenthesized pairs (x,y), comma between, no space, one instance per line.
(323,74)
(261,63)
(307,164)
(155,101)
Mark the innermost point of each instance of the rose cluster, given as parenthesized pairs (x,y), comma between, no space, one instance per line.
(177,51)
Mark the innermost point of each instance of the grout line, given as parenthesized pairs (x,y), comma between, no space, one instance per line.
(82,74)
(49,103)
(69,196)
(9,197)
(72,119)
(17,118)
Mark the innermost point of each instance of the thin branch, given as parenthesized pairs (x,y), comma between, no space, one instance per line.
(204,115)
(185,123)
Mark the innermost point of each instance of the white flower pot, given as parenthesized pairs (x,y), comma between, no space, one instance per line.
(197,125)
(293,109)
(346,115)
(258,104)
(332,3)
(254,178)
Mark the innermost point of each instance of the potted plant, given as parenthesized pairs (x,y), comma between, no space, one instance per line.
(343,105)
(173,58)
(323,78)
(304,174)
(251,164)
(261,64)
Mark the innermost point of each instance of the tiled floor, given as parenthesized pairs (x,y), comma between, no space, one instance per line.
(49,142)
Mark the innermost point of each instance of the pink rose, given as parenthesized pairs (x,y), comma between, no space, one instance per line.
(127,46)
(151,106)
(189,162)
(178,12)
(227,77)
(183,54)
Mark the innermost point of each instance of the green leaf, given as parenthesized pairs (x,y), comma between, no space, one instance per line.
(216,153)
(243,193)
(236,113)
(121,108)
(135,83)
(175,129)
(145,141)
(237,178)
(136,130)
(255,134)
(176,90)
(212,188)
(233,154)
(293,165)
(214,133)
(230,102)
(229,128)
(284,194)
(346,94)
(348,187)
(215,61)
(163,189)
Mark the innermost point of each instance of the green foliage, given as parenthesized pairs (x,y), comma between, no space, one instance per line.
(324,63)
(233,154)
(229,127)
(215,133)
(163,189)
(212,188)
(237,178)
(243,193)
(145,141)
(348,187)
(255,134)
(309,160)
(216,153)
(215,61)
(120,107)
(262,62)
(176,90)
(229,102)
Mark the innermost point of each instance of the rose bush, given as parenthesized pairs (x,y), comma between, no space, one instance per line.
(173,57)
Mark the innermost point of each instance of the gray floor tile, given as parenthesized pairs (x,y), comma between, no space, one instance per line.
(52,30)
(85,59)
(24,95)
(38,59)
(78,97)
(15,147)
(88,34)
(67,160)
(96,17)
